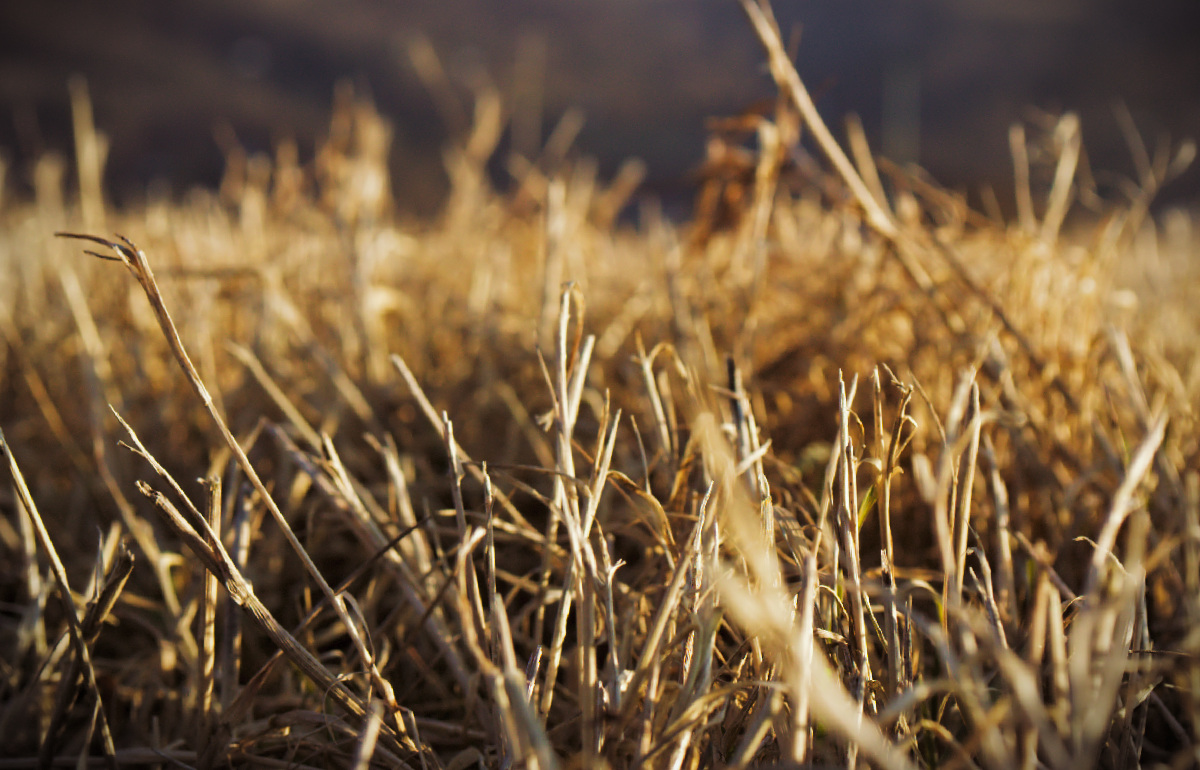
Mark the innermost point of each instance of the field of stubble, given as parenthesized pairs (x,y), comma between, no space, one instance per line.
(839,473)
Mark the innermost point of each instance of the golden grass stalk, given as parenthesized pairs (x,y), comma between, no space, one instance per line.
(81,665)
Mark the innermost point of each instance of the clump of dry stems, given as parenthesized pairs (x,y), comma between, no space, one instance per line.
(858,477)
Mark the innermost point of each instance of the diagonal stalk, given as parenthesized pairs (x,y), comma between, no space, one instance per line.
(137,263)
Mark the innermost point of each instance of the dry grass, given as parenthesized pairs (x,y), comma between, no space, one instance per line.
(862,479)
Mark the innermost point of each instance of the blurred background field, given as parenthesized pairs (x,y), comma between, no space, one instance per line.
(745,453)
(935,81)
